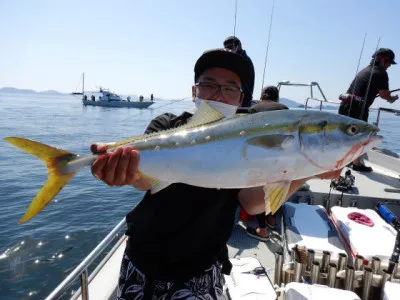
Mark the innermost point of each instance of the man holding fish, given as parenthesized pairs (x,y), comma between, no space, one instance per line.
(177,236)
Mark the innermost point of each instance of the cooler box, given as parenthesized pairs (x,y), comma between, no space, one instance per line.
(301,291)
(365,232)
(310,226)
(391,291)
(242,284)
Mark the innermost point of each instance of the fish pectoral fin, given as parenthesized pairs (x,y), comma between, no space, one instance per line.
(271,141)
(156,184)
(275,195)
(204,114)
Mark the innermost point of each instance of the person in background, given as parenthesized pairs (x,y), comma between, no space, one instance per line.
(151,97)
(371,81)
(269,101)
(234,44)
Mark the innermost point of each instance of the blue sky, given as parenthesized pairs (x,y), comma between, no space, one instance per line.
(143,47)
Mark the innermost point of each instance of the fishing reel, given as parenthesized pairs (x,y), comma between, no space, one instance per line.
(344,184)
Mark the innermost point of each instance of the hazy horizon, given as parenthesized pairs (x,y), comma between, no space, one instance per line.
(146,47)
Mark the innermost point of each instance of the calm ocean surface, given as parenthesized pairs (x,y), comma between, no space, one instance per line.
(36,256)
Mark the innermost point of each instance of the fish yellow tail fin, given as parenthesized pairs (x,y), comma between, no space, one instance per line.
(55,160)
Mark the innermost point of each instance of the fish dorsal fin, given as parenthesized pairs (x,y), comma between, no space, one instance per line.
(205,114)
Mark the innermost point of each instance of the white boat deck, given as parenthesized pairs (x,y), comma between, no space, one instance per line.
(369,190)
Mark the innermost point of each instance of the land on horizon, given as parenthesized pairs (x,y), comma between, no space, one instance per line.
(288,102)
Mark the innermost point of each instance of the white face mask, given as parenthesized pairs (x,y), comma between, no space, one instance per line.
(226,109)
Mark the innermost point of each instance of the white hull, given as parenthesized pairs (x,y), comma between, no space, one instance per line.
(128,104)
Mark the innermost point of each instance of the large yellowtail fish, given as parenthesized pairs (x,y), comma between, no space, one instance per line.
(269,149)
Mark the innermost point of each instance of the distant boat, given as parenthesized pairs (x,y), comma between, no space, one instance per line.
(108,99)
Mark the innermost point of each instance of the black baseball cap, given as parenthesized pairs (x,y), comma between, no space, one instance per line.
(231,40)
(227,59)
(270,93)
(385,52)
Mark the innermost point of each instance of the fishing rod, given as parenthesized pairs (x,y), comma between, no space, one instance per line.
(269,35)
(234,25)
(369,81)
(358,67)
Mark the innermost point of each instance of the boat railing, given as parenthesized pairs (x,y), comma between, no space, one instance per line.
(389,110)
(312,85)
(82,270)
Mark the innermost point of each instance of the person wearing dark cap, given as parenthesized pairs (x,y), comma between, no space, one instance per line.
(177,237)
(234,44)
(370,82)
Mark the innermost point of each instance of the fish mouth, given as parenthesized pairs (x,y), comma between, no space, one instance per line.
(373,140)
(364,146)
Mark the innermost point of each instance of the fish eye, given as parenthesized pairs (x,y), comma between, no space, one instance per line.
(352,129)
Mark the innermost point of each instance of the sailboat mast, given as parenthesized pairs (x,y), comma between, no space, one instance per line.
(83,84)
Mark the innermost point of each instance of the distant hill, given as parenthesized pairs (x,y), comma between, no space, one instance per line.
(52,92)
(27,91)
(291,103)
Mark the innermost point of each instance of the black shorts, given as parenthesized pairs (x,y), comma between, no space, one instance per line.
(354,112)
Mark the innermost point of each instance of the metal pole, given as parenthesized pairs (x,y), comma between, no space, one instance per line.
(349,278)
(315,272)
(310,258)
(326,257)
(84,285)
(278,268)
(367,283)
(332,271)
(376,265)
(342,261)
(298,266)
(359,262)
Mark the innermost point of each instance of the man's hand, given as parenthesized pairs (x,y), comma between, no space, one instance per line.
(119,167)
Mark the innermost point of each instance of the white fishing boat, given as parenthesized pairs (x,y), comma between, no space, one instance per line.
(109,99)
(303,250)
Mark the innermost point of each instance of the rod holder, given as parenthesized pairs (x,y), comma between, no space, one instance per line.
(326,258)
(310,258)
(298,268)
(278,268)
(376,265)
(342,261)
(358,264)
(367,283)
(349,278)
(315,268)
(332,271)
